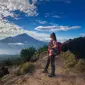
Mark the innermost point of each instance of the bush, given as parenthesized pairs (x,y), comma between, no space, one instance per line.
(27,67)
(11,61)
(42,49)
(80,66)
(26,54)
(77,65)
(70,60)
(35,57)
(7,62)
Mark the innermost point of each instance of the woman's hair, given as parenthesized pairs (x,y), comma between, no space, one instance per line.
(54,36)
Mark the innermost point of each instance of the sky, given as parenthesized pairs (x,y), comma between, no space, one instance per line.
(39,18)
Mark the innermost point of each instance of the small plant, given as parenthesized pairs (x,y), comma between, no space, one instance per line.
(80,66)
(70,60)
(27,67)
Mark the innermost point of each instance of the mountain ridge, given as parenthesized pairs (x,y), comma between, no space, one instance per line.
(18,37)
(15,44)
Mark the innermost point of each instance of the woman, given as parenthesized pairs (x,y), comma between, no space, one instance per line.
(52,51)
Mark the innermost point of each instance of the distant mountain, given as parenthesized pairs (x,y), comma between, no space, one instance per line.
(24,38)
(14,44)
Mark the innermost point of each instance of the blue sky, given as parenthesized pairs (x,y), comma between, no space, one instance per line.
(39,18)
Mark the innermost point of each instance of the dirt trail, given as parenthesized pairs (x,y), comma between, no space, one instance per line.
(38,78)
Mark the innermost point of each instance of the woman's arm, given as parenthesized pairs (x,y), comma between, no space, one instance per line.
(54,44)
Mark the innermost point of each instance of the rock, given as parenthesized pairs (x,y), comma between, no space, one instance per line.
(3,71)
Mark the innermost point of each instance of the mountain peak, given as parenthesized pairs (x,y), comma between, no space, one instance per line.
(17,43)
(24,34)
(22,38)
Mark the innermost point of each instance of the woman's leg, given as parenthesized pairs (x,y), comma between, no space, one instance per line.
(47,64)
(52,65)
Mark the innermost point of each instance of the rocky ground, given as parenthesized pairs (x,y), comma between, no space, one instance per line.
(62,77)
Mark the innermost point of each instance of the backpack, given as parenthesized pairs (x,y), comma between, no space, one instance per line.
(59,47)
(56,51)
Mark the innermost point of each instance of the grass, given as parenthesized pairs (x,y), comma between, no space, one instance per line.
(70,62)
(27,67)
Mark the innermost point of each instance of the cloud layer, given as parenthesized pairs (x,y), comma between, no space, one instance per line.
(56,28)
(82,34)
(8,6)
(9,29)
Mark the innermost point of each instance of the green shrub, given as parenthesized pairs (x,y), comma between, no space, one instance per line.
(80,66)
(70,60)
(27,67)
(26,54)
(12,61)
(7,62)
(36,55)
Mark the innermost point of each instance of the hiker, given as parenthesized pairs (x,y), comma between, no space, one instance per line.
(52,52)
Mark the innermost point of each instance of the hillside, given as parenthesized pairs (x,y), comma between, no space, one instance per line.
(63,77)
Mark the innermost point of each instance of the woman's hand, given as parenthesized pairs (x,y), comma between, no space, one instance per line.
(54,44)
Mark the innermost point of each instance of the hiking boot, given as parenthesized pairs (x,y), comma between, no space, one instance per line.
(45,71)
(51,75)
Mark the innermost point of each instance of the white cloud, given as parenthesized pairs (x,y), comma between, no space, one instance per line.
(82,34)
(53,24)
(56,28)
(64,38)
(41,22)
(15,43)
(34,1)
(9,29)
(7,6)
(53,15)
(56,16)
(39,36)
(47,15)
(46,37)
(65,1)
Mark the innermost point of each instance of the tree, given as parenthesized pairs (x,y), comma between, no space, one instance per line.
(27,54)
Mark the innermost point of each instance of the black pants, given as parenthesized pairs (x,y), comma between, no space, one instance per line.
(51,59)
